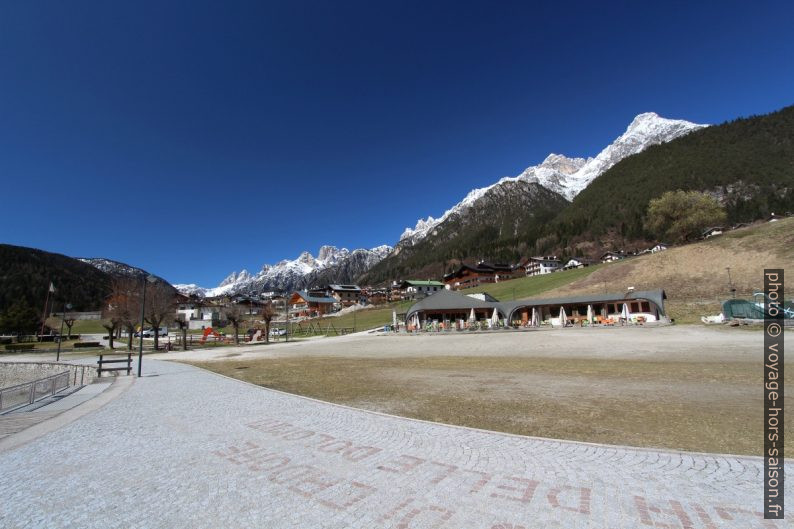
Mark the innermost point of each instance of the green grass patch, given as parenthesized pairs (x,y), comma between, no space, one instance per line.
(362,320)
(527,287)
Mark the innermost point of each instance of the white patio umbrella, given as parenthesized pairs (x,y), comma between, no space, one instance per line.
(472,316)
(563,317)
(535,317)
(495,317)
(590,313)
(624,313)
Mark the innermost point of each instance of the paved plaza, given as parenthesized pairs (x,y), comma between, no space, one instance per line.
(182,447)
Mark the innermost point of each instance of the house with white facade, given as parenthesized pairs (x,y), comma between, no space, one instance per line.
(417,289)
(578,262)
(198,315)
(542,265)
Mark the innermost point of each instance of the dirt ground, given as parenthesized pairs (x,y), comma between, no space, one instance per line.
(680,387)
(682,342)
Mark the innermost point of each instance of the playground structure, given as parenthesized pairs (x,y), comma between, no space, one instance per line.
(317,329)
(207,332)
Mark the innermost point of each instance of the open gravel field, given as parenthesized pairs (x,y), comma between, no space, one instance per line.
(680,387)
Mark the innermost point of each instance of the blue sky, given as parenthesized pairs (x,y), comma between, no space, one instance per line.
(194,138)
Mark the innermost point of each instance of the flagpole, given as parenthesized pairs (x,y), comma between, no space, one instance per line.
(44,316)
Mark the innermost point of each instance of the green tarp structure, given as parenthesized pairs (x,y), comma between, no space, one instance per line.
(741,308)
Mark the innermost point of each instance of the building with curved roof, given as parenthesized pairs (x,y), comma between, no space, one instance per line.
(449,306)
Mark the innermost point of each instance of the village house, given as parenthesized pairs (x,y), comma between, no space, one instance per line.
(374,296)
(712,232)
(345,295)
(659,247)
(395,291)
(611,256)
(542,265)
(467,276)
(417,289)
(198,314)
(578,262)
(303,304)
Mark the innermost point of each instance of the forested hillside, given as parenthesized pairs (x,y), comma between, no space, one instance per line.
(26,273)
(502,227)
(747,163)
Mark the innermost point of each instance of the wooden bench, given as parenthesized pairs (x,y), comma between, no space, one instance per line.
(77,345)
(100,369)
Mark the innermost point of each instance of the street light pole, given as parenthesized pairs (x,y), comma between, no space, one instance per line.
(730,281)
(143,313)
(60,335)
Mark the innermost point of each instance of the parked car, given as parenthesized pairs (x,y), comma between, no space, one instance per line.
(149,332)
(277,332)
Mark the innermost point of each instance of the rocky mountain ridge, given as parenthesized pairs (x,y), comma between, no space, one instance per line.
(332,265)
(569,176)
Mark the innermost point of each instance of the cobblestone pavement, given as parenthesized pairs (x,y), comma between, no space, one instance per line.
(187,448)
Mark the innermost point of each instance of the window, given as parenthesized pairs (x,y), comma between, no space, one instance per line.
(635,307)
(646,306)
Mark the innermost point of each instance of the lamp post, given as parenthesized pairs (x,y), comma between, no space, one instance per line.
(286,319)
(149,279)
(730,281)
(66,306)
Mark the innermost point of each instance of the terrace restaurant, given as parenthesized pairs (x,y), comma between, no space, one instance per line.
(447,309)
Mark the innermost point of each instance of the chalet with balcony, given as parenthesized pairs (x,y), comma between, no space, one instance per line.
(345,295)
(303,304)
(536,266)
(467,276)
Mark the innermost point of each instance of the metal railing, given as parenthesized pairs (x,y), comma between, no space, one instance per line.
(29,392)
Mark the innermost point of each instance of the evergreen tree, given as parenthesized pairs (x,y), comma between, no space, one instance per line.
(20,318)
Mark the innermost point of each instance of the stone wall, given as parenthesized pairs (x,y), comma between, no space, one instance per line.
(14,373)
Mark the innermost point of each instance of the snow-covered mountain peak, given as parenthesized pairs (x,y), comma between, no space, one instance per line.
(329,255)
(305,258)
(383,249)
(569,176)
(234,277)
(645,130)
(562,163)
(422,228)
(295,273)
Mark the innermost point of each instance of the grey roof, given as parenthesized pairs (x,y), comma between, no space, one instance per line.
(421,283)
(345,288)
(315,299)
(448,300)
(655,296)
